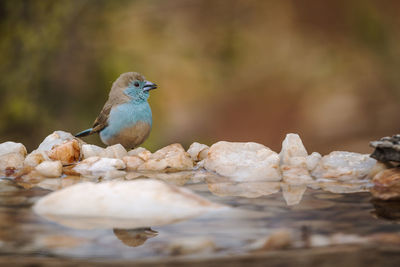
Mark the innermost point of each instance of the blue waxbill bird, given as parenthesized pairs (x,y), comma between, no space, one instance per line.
(126,116)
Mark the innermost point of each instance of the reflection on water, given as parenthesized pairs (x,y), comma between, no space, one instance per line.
(134,237)
(389,209)
(311,216)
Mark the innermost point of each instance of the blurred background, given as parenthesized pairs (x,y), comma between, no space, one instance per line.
(236,70)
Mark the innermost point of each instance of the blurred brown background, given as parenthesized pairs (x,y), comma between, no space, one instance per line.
(237,70)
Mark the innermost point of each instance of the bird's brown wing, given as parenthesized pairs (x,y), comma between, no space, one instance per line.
(101,121)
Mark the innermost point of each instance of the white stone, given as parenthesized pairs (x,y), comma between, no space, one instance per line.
(56,138)
(122,204)
(198,151)
(13,160)
(12,147)
(132,162)
(91,151)
(344,166)
(116,151)
(50,169)
(97,165)
(35,158)
(172,157)
(243,161)
(292,146)
(312,160)
(293,159)
(296,171)
(141,152)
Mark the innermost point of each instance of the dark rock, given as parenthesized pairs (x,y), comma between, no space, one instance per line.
(387,149)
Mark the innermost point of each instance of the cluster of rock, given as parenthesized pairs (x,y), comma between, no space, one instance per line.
(61,153)
(243,169)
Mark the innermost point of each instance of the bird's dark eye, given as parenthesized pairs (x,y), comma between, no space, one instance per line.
(136,84)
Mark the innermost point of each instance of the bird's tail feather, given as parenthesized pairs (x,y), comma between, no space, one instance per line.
(84,133)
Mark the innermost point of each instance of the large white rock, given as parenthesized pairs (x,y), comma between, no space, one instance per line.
(97,165)
(344,166)
(243,161)
(198,151)
(293,159)
(122,204)
(50,169)
(172,157)
(12,147)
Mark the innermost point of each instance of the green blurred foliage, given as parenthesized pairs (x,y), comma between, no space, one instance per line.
(227,69)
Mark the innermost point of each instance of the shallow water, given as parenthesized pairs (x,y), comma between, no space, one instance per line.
(321,219)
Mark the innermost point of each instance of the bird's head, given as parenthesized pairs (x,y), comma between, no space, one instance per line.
(135,86)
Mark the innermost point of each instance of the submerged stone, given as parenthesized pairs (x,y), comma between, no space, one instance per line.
(122,204)
(243,161)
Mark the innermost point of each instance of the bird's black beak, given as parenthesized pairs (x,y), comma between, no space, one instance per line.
(149,86)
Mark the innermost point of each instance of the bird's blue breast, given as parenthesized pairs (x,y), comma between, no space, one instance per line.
(126,115)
